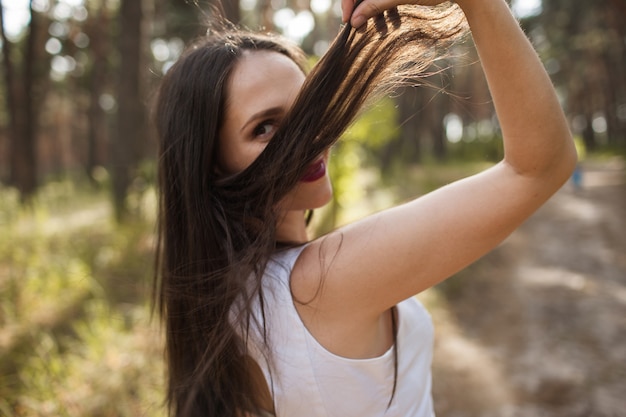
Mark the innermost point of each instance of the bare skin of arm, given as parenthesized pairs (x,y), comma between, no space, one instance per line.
(353,276)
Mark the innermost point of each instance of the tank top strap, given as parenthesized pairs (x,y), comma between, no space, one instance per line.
(282,262)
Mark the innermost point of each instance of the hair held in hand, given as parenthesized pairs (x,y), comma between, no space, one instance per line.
(216,233)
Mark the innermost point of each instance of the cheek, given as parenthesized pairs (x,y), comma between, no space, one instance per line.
(234,157)
(231,162)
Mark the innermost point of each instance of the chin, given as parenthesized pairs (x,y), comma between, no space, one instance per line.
(321,195)
(309,196)
(321,203)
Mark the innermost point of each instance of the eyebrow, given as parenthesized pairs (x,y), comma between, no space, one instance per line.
(272,111)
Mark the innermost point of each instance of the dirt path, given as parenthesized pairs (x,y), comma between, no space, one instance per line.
(538,327)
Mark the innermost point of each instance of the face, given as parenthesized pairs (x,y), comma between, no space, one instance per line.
(262,88)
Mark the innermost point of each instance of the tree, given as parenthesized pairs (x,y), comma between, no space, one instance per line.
(22,105)
(9,80)
(131,132)
(231,10)
(582,45)
(96,118)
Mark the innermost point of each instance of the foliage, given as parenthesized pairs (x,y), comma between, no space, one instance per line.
(484,148)
(359,145)
(106,368)
(76,336)
(75,331)
(352,163)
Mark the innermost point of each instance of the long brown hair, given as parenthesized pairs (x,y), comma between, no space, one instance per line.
(215,233)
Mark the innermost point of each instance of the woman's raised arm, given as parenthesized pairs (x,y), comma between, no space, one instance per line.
(373,264)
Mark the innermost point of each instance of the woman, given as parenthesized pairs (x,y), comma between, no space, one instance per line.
(262,321)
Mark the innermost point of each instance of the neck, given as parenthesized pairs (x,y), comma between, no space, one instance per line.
(292,227)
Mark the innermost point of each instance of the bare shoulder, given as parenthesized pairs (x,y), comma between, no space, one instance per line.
(324,297)
(367,267)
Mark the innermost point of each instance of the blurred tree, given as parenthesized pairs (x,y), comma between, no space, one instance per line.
(9,82)
(421,113)
(231,9)
(26,82)
(582,44)
(131,129)
(96,29)
(438,108)
(177,18)
(409,144)
(265,13)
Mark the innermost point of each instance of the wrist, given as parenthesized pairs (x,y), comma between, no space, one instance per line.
(482,9)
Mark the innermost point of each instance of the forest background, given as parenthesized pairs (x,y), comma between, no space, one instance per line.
(77,168)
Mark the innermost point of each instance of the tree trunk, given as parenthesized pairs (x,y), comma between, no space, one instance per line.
(11,105)
(179,18)
(410,106)
(22,114)
(96,118)
(265,12)
(589,137)
(439,107)
(616,16)
(231,10)
(130,121)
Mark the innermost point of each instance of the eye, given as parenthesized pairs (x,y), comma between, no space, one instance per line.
(264,129)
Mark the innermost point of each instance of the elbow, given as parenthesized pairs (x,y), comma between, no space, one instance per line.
(565,161)
(553,165)
(561,170)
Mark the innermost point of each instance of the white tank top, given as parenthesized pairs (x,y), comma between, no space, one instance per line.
(306,380)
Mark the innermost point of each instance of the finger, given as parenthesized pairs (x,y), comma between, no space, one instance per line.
(370,8)
(347,6)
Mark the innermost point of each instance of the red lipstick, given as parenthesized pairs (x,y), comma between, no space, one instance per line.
(316,171)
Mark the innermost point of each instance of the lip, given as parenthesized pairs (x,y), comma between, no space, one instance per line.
(315,171)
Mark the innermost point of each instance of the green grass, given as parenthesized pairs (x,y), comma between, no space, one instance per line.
(76,338)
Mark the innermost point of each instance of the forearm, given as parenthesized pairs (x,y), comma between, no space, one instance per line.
(537,140)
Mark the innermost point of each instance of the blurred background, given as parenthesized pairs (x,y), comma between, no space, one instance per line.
(536,328)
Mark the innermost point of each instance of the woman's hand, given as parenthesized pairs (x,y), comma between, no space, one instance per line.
(370,8)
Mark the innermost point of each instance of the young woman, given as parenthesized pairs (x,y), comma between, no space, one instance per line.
(259,319)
